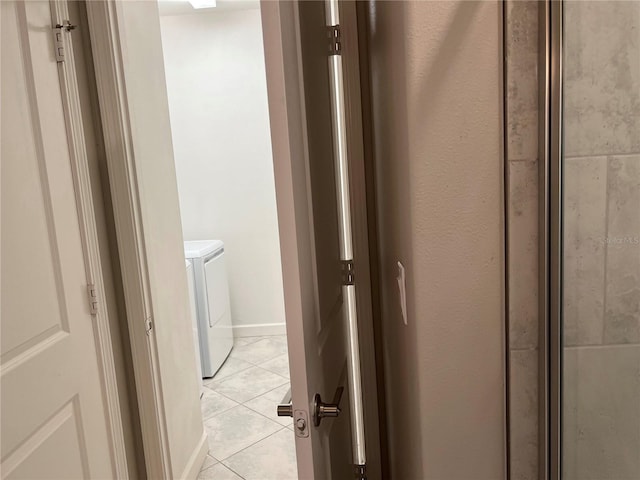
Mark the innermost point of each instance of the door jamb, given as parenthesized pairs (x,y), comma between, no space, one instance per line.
(108,57)
(90,245)
(107,51)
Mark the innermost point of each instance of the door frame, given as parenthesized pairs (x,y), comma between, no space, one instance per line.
(550,246)
(107,52)
(90,244)
(279,38)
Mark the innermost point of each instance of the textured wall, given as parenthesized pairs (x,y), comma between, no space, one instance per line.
(437,114)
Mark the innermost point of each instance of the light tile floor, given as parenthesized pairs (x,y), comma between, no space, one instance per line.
(247,440)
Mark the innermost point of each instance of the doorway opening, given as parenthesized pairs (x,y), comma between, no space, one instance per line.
(217,91)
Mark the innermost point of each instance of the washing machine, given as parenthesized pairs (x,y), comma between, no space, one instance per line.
(212,302)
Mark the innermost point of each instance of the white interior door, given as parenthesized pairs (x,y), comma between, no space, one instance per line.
(54,417)
(313,203)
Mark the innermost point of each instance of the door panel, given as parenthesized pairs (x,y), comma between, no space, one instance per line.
(53,412)
(328,348)
(306,193)
(324,205)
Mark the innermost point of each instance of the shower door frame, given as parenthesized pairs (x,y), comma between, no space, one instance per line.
(551,240)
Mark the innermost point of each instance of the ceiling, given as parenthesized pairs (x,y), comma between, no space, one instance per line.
(183,7)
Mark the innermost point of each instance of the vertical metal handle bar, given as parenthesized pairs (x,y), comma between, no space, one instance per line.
(346,244)
(551,241)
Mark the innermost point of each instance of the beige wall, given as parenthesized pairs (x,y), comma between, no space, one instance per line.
(437,114)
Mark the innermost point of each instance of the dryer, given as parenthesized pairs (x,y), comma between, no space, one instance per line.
(212,302)
(193,314)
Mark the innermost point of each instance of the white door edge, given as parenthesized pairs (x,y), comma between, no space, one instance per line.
(285,113)
(90,245)
(107,53)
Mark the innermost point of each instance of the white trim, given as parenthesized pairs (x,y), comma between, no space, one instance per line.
(259,329)
(194,464)
(90,245)
(115,115)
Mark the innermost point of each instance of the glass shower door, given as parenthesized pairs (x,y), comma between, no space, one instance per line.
(600,256)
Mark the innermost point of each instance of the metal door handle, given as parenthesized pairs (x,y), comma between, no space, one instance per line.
(322,410)
(285,409)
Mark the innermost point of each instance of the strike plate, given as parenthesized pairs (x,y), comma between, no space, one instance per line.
(301,423)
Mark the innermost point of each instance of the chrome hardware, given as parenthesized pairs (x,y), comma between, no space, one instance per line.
(360,472)
(322,410)
(66,26)
(300,417)
(348,272)
(335,39)
(301,423)
(59,39)
(285,410)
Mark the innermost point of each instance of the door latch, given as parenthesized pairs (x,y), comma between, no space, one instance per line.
(300,419)
(322,410)
(285,410)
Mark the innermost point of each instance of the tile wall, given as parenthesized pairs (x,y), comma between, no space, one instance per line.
(602,238)
(521,48)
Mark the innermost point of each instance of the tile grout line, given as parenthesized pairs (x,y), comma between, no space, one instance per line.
(223,380)
(602,155)
(264,360)
(213,379)
(602,346)
(237,403)
(260,413)
(220,460)
(606,251)
(523,160)
(225,466)
(252,398)
(249,446)
(235,374)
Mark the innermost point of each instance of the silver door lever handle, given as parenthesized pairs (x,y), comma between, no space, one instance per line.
(285,409)
(322,410)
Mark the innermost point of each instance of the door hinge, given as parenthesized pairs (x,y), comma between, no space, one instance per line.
(148,326)
(59,39)
(92,295)
(348,273)
(335,39)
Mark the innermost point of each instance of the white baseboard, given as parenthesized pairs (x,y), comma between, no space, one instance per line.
(193,466)
(259,329)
